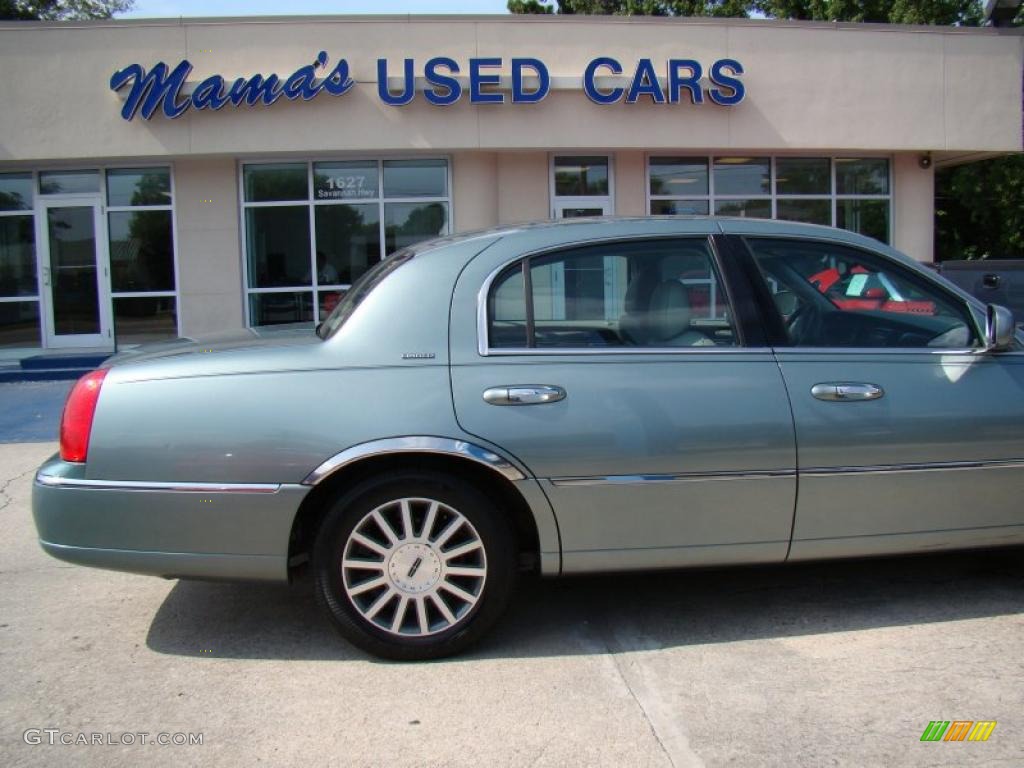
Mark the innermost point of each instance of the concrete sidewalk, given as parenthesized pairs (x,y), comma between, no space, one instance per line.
(824,664)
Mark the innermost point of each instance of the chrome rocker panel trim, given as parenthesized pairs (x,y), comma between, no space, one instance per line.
(416,444)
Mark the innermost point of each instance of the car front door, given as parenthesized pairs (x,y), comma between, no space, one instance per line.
(620,374)
(910,436)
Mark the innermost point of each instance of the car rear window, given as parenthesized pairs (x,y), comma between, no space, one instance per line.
(360,290)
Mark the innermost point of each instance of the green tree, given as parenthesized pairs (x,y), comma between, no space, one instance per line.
(979,210)
(62,10)
(960,12)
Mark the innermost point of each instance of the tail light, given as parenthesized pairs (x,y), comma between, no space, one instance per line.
(76,421)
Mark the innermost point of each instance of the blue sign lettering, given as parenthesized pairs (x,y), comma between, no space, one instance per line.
(724,80)
(408,88)
(164,89)
(519,94)
(450,88)
(161,88)
(590,87)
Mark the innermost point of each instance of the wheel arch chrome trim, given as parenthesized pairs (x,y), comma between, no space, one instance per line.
(444,446)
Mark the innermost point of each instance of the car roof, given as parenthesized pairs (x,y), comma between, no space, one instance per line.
(563,231)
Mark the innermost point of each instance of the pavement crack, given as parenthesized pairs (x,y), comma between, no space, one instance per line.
(5,500)
(643,710)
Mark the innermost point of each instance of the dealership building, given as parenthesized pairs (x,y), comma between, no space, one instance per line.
(186,177)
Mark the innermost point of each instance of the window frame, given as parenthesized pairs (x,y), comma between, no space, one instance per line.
(833,197)
(310,202)
(771,318)
(740,319)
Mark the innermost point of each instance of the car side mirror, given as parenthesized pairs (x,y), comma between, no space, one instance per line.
(999,328)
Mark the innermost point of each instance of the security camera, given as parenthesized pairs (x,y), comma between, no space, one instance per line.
(925,161)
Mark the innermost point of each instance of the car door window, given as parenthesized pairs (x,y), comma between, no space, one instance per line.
(830,295)
(654,294)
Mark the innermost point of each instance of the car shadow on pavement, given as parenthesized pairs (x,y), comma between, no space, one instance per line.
(623,612)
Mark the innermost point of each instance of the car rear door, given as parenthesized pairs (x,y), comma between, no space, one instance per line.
(910,436)
(633,387)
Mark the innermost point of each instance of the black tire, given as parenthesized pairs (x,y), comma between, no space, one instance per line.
(351,510)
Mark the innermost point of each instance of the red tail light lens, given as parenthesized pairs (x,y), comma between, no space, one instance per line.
(76,421)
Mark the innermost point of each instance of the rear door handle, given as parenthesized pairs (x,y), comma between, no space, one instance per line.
(524,394)
(846,391)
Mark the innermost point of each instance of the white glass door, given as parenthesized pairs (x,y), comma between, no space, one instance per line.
(574,209)
(74,273)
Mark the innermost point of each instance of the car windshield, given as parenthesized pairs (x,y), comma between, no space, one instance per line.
(362,288)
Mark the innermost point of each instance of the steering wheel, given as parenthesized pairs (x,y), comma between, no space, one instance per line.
(804,325)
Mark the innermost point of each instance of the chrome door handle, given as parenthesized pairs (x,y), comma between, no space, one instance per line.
(844,391)
(524,394)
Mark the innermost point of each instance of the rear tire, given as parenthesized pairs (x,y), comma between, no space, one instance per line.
(414,565)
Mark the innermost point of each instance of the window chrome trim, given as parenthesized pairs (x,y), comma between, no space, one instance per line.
(899,469)
(415,444)
(483,341)
(56,481)
(685,477)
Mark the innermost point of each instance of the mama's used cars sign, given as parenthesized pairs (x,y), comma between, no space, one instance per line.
(443,82)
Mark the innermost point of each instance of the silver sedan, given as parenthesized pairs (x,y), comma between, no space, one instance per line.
(558,398)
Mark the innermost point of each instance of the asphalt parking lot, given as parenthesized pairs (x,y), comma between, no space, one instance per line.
(824,664)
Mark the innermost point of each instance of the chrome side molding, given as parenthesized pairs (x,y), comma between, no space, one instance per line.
(686,477)
(56,481)
(416,444)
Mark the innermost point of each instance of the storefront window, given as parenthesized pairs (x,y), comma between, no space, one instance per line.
(141,251)
(19,291)
(852,193)
(759,209)
(68,182)
(581,176)
(142,319)
(19,324)
(415,178)
(407,223)
(277,244)
(347,242)
(276,181)
(742,176)
(140,234)
(15,191)
(138,186)
(322,237)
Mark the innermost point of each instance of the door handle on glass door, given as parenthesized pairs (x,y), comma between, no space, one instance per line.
(524,394)
(845,391)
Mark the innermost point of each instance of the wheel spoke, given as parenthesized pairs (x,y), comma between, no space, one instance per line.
(385,527)
(428,524)
(396,624)
(466,570)
(369,544)
(459,592)
(366,565)
(448,532)
(407,532)
(380,602)
(463,549)
(442,606)
(421,615)
(366,586)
